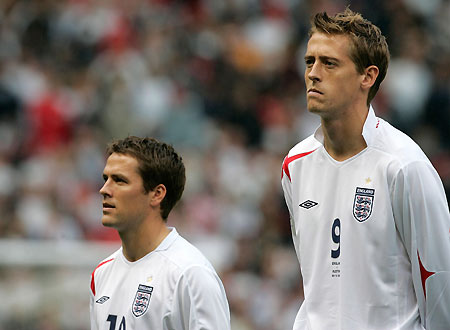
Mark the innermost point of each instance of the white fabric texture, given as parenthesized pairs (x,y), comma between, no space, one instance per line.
(178,290)
(370,233)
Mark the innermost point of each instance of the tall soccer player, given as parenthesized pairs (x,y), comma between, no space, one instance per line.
(369,216)
(156,280)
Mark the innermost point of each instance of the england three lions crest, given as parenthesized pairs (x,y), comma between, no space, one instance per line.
(141,300)
(363,203)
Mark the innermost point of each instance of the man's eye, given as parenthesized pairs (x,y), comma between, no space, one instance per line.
(120,180)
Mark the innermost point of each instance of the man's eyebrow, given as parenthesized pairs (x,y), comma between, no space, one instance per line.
(118,176)
(327,58)
(322,58)
(114,176)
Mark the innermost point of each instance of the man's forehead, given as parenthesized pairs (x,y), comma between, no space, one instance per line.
(121,162)
(331,43)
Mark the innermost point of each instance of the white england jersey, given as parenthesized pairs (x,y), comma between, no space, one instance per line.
(371,233)
(173,287)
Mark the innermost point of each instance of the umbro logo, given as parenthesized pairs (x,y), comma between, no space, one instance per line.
(308,204)
(102,300)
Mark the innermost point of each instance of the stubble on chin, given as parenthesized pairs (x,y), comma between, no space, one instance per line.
(318,106)
(313,104)
(107,221)
(314,108)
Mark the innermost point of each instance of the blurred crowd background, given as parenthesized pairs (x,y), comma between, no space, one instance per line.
(222,81)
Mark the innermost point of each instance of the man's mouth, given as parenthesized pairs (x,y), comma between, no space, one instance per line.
(108,206)
(314,91)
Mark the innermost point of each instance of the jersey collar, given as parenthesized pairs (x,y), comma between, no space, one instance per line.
(164,245)
(370,127)
(368,133)
(170,238)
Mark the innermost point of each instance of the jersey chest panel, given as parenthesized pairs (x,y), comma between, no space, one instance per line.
(344,228)
(138,295)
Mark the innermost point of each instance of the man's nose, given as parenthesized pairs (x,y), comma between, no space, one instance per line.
(314,72)
(105,190)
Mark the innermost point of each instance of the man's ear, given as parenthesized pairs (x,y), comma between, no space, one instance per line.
(369,77)
(157,195)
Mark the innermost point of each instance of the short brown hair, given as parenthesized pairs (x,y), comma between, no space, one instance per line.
(369,45)
(158,164)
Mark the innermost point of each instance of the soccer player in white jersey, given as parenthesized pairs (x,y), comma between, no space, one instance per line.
(156,280)
(369,217)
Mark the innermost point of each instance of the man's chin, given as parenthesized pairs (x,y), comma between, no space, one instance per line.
(108,222)
(314,109)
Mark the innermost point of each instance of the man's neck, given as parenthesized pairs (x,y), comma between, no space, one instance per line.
(138,243)
(343,135)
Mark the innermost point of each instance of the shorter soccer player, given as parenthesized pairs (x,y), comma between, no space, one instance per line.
(157,279)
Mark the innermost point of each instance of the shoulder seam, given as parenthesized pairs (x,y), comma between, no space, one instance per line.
(287,160)
(182,268)
(92,275)
(403,163)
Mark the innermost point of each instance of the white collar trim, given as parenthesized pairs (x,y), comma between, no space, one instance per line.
(370,125)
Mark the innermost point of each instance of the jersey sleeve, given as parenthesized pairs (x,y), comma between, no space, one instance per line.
(422,217)
(286,185)
(91,305)
(200,301)
(92,292)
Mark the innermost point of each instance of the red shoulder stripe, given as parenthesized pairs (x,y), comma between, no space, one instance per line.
(287,160)
(424,274)
(92,275)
